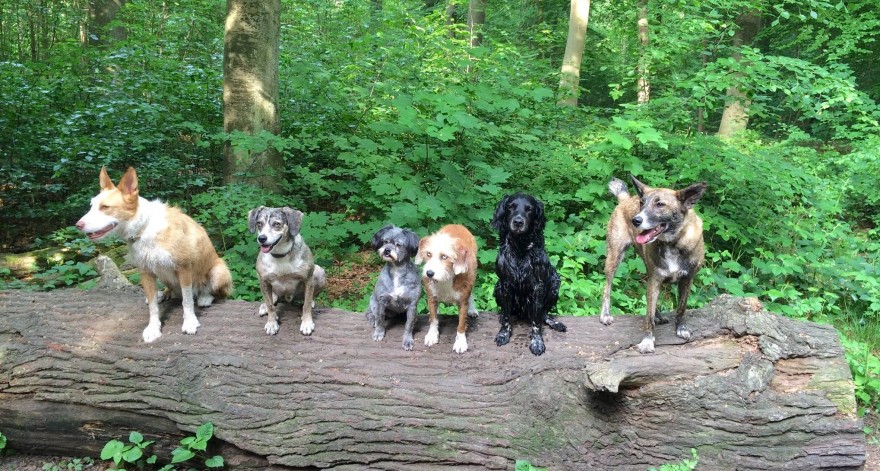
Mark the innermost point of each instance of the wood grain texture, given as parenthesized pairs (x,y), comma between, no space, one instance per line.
(752,390)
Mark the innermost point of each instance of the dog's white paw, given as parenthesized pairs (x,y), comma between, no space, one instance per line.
(152,332)
(205,300)
(460,345)
(190,326)
(433,336)
(272,327)
(606,319)
(646,345)
(683,332)
(378,334)
(263,310)
(307,326)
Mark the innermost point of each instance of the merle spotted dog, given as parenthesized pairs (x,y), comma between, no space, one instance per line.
(528,284)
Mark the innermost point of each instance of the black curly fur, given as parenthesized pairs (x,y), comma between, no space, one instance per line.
(528,284)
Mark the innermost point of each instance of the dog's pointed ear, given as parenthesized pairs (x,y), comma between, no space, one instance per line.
(128,185)
(421,250)
(376,241)
(294,220)
(252,218)
(640,187)
(411,240)
(498,219)
(104,179)
(690,195)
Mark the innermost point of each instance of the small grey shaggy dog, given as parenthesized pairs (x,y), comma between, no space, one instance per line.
(398,288)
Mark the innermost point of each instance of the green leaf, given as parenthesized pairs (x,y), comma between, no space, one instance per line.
(132,455)
(135,437)
(214,462)
(112,448)
(151,459)
(180,455)
(618,140)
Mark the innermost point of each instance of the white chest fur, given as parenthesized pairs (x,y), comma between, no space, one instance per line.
(443,292)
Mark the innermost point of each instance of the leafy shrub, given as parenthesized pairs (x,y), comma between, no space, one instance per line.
(684,465)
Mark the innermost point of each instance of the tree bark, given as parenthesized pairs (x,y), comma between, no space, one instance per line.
(644,82)
(476,20)
(569,82)
(250,89)
(101,13)
(735,117)
(752,390)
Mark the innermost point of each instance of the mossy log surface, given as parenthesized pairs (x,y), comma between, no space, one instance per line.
(752,390)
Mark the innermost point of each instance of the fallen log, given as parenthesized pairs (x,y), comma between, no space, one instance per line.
(752,390)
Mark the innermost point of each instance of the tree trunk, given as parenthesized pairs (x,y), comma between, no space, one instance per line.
(101,13)
(644,83)
(569,82)
(735,117)
(476,20)
(250,89)
(752,390)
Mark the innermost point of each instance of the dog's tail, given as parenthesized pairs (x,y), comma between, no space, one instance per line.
(221,279)
(618,189)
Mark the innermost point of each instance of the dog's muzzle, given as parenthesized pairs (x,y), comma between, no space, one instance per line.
(264,247)
(95,235)
(518,224)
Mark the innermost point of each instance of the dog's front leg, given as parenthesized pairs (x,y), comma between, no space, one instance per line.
(653,291)
(460,345)
(684,290)
(503,302)
(190,321)
(268,307)
(408,327)
(154,326)
(378,307)
(307,326)
(433,335)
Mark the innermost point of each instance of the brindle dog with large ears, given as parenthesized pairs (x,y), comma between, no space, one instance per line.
(667,234)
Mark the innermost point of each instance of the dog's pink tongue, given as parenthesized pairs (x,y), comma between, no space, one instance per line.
(265,248)
(645,236)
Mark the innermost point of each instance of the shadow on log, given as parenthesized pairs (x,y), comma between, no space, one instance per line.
(752,390)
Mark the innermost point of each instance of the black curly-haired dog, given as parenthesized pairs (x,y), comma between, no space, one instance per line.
(528,285)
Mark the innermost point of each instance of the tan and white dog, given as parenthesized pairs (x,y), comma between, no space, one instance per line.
(450,258)
(163,244)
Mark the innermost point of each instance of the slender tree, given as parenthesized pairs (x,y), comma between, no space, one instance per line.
(644,83)
(574,52)
(250,88)
(476,19)
(735,117)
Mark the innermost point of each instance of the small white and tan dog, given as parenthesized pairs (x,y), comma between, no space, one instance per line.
(163,244)
(450,258)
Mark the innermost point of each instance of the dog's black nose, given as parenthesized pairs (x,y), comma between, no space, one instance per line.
(637,221)
(386,252)
(430,273)
(518,222)
(261,239)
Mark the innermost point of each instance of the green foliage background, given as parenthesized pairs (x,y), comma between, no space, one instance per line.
(388,116)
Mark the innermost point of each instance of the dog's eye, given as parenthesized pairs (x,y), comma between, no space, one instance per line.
(427,254)
(276,225)
(260,224)
(528,209)
(659,204)
(444,257)
(103,207)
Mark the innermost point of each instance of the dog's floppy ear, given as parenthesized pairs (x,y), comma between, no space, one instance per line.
(500,216)
(106,182)
(252,218)
(420,251)
(461,261)
(128,185)
(640,187)
(540,219)
(690,195)
(411,242)
(294,220)
(376,241)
